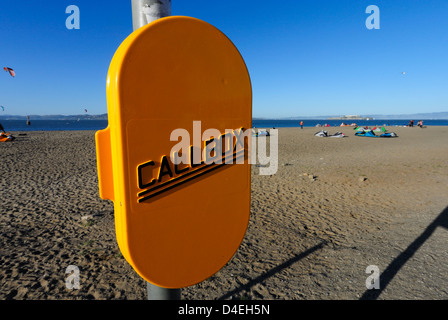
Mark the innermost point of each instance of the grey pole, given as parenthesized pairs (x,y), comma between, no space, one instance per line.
(158,293)
(144,12)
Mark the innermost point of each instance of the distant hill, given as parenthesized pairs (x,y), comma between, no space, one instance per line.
(413,116)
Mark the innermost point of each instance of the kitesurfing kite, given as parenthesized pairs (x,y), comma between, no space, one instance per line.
(11,72)
(3,108)
(85,110)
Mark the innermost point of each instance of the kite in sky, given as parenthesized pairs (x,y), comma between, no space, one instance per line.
(11,72)
(3,108)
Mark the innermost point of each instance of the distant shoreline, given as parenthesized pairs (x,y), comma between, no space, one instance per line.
(93,124)
(416,116)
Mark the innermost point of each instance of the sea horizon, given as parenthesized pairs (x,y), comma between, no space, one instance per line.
(71,125)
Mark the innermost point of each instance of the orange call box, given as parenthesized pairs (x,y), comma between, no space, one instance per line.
(180,214)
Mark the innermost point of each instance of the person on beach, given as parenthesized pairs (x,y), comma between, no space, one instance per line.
(2,129)
(411,123)
(301,124)
(420,124)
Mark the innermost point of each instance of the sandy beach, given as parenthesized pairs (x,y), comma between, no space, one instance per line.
(335,207)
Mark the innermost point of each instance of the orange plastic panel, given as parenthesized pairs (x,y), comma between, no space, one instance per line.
(176,224)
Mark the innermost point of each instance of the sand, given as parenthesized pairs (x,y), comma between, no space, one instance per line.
(335,207)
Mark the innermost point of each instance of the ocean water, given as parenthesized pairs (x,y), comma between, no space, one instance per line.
(53,125)
(68,125)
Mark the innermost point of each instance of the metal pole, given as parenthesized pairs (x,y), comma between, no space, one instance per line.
(144,12)
(158,293)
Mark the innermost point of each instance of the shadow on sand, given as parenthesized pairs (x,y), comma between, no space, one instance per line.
(273,271)
(400,260)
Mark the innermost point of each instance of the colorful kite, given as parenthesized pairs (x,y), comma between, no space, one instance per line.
(11,72)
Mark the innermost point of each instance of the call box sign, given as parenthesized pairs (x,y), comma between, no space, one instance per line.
(174,157)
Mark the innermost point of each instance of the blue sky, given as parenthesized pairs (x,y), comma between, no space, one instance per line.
(305,58)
